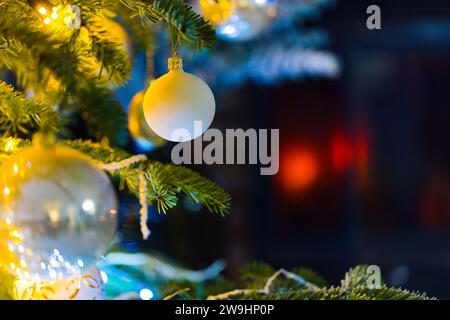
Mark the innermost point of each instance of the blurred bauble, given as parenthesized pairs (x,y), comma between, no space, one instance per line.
(57,213)
(215,12)
(238,20)
(142,134)
(179,106)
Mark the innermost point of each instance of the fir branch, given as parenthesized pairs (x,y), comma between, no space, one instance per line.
(254,274)
(337,293)
(20,116)
(102,112)
(6,284)
(165,181)
(180,17)
(101,152)
(89,8)
(163,186)
(40,55)
(199,189)
(141,31)
(356,277)
(111,55)
(177,293)
(310,276)
(353,287)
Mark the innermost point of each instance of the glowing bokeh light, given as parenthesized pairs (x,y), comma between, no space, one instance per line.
(146,294)
(342,154)
(299,169)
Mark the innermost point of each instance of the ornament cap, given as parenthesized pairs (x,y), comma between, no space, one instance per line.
(175,63)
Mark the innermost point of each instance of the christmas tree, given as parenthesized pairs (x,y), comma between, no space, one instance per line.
(63,128)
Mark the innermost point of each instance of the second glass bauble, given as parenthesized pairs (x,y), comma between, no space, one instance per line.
(57,213)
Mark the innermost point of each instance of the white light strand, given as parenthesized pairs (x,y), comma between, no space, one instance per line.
(122,164)
(143,202)
(142,187)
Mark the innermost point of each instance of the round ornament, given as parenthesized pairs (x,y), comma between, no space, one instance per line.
(238,20)
(57,213)
(143,136)
(179,106)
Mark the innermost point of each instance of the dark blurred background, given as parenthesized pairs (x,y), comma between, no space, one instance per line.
(364,159)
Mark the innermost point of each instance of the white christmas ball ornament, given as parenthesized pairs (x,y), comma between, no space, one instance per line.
(179,106)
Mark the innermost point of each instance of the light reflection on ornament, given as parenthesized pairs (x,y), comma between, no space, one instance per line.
(104,276)
(88,206)
(54,14)
(42,10)
(6,191)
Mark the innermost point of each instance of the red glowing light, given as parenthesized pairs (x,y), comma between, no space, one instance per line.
(342,155)
(362,156)
(299,169)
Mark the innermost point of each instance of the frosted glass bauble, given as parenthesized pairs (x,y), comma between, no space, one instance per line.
(140,131)
(179,106)
(57,213)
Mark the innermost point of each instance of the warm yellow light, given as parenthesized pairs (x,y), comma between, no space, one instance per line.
(216,17)
(42,10)
(54,216)
(216,12)
(6,191)
(54,15)
(9,146)
(15,168)
(12,266)
(47,20)
(225,5)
